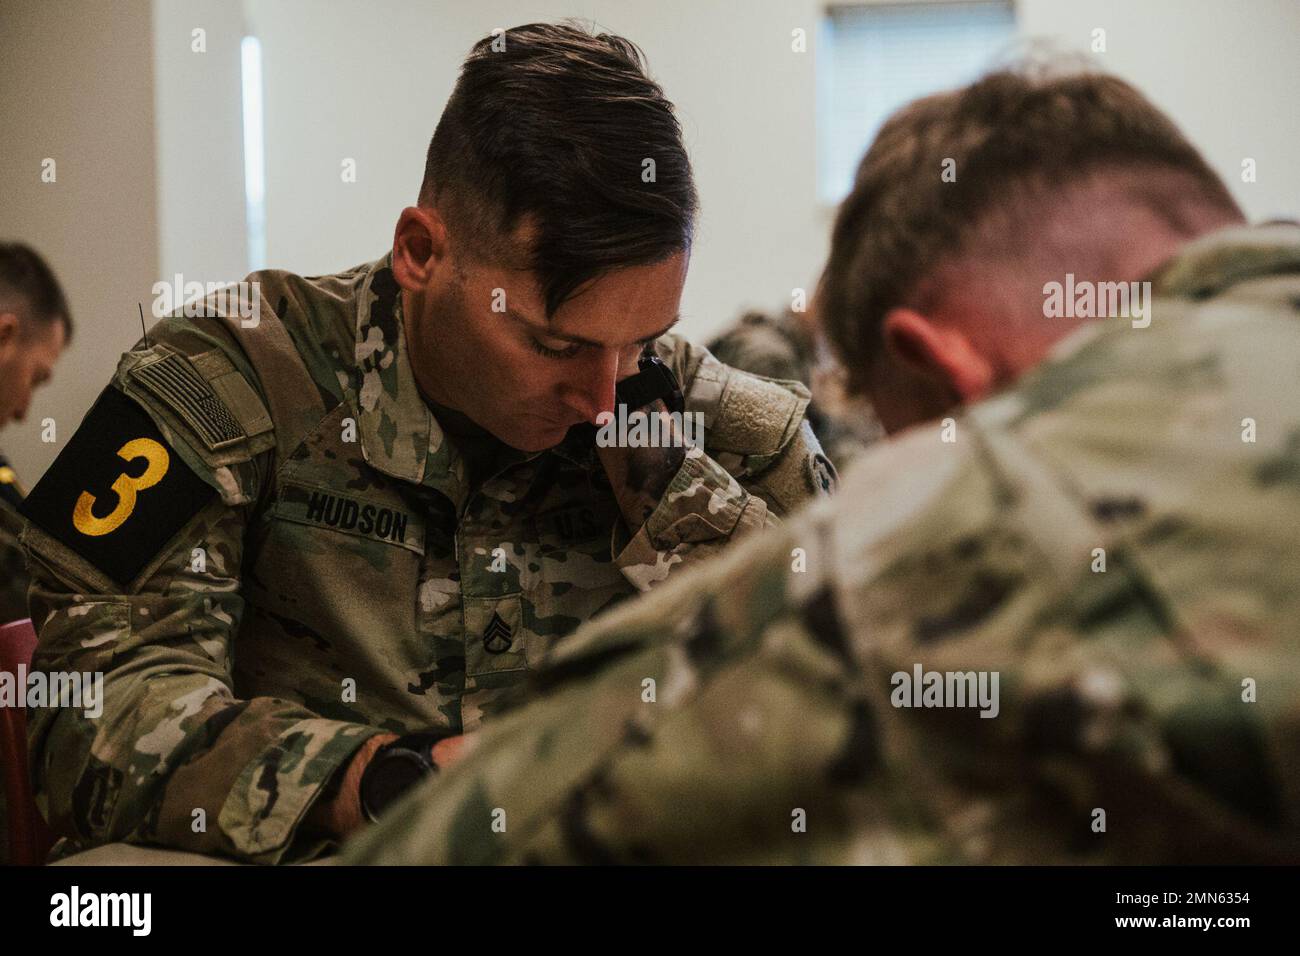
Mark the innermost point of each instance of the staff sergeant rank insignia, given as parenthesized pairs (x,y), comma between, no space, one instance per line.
(118,492)
(496,637)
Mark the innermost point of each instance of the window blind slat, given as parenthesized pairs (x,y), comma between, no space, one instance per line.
(881,57)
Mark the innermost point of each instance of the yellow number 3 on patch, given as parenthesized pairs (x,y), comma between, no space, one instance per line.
(83,518)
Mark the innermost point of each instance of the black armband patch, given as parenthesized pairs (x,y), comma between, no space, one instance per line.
(118,492)
(10,490)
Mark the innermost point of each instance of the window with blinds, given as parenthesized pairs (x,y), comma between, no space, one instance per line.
(874,57)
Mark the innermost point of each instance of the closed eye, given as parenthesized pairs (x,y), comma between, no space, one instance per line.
(563,353)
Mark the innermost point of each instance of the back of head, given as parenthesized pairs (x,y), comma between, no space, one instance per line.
(981,192)
(559,132)
(30,292)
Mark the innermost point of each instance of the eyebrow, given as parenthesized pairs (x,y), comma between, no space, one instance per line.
(578,339)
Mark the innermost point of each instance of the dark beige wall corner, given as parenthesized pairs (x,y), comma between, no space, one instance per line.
(76,85)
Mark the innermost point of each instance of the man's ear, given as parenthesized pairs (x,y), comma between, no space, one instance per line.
(941,353)
(420,247)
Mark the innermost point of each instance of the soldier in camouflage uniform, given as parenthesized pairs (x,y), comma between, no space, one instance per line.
(1111,532)
(35,327)
(281,545)
(788,348)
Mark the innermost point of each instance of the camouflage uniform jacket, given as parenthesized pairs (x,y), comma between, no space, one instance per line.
(294,560)
(764,709)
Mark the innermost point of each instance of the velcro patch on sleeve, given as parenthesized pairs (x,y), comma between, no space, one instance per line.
(118,492)
(756,416)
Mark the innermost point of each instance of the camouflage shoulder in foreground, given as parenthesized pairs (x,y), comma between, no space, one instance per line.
(1062,630)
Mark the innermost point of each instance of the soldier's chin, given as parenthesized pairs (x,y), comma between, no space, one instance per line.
(535,437)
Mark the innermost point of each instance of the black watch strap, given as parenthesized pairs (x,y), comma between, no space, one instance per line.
(653,381)
(395,768)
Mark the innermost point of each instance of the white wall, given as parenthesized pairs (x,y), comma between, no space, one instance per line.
(200,141)
(1226,71)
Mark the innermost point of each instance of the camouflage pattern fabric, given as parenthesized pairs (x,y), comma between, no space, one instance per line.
(340,576)
(1148,707)
(782,349)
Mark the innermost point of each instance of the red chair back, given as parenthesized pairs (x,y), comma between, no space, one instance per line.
(29,838)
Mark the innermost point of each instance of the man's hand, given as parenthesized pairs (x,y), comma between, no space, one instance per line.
(640,476)
(341,814)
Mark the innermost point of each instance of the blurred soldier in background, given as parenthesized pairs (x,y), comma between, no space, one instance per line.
(35,327)
(789,348)
(1052,620)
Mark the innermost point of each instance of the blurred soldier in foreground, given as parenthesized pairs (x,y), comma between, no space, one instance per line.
(309,543)
(1053,620)
(35,327)
(789,348)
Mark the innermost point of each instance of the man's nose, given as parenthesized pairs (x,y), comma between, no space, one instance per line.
(591,391)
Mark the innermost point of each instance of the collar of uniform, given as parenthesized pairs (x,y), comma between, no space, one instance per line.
(1206,266)
(1225,257)
(399,435)
(578,447)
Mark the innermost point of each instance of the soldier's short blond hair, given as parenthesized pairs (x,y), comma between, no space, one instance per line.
(1010,141)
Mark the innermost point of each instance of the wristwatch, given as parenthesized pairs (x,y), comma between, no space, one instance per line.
(395,768)
(653,380)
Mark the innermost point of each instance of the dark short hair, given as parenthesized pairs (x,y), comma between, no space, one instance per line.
(1018,138)
(27,283)
(554,130)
